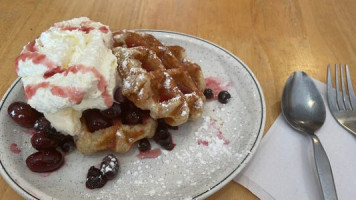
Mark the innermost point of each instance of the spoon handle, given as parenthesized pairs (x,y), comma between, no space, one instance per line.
(324,170)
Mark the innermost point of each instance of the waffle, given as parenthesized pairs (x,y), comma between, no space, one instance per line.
(118,138)
(159,78)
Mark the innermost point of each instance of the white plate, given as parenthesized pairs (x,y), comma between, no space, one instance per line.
(190,171)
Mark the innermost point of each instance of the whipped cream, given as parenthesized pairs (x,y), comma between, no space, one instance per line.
(69,68)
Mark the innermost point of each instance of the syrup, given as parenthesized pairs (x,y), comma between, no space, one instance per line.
(14,148)
(154,153)
(75,95)
(31,89)
(203,142)
(221,137)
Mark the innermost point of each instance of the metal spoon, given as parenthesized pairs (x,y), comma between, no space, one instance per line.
(304,110)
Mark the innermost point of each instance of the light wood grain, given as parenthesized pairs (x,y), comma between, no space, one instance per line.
(274,38)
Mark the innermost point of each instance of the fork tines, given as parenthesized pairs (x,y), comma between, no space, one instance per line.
(344,99)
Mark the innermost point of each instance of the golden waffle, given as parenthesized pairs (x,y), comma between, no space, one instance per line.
(159,78)
(118,138)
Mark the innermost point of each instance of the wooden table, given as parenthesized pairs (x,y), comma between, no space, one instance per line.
(274,38)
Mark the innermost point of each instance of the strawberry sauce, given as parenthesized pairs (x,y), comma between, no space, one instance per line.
(221,137)
(53,71)
(36,58)
(203,142)
(84,27)
(31,89)
(75,95)
(14,148)
(104,29)
(72,28)
(30,47)
(102,85)
(149,154)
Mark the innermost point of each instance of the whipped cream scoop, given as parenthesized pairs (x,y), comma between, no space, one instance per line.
(69,68)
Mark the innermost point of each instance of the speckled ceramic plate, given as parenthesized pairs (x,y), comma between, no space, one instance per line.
(209,152)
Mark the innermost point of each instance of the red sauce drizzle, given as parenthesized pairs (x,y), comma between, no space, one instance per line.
(75,95)
(14,148)
(30,47)
(221,137)
(213,125)
(53,71)
(31,89)
(85,27)
(203,142)
(150,154)
(104,29)
(102,85)
(36,58)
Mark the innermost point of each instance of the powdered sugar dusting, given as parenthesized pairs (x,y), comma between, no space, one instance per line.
(203,147)
(167,82)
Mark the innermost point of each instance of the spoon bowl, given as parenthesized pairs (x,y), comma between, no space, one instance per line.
(304,109)
(302,104)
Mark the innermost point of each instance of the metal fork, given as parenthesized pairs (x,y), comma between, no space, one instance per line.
(342,103)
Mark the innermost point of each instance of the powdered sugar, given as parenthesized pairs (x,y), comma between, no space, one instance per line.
(167,83)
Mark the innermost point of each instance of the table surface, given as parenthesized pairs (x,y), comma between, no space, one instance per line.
(274,38)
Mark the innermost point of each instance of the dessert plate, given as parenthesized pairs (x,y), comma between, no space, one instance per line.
(208,154)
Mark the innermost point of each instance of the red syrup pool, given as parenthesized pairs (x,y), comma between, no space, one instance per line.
(154,153)
(14,148)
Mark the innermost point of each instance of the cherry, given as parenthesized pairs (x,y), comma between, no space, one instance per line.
(23,114)
(42,125)
(162,123)
(144,145)
(67,144)
(166,143)
(110,166)
(45,161)
(163,137)
(132,117)
(95,178)
(224,96)
(41,142)
(95,120)
(119,97)
(208,93)
(113,112)
(55,135)
(161,132)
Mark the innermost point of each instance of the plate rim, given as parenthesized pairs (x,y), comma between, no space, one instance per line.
(26,194)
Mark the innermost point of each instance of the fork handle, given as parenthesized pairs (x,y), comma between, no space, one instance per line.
(324,170)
